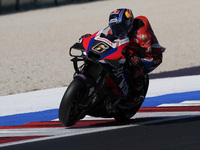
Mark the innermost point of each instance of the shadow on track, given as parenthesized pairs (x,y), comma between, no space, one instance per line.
(110,122)
(182,134)
(177,73)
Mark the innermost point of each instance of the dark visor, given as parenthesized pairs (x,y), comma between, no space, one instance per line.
(118,29)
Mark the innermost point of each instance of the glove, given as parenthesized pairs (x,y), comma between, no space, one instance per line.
(135,61)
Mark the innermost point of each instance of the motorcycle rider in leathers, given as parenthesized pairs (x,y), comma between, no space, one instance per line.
(144,50)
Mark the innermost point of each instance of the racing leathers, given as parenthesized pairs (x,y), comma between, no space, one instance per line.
(147,52)
(145,44)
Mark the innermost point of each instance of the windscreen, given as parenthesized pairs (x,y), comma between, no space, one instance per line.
(107,33)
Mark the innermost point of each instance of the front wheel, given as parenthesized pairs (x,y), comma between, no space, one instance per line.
(69,110)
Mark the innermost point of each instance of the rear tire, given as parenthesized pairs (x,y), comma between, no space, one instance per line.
(123,115)
(68,110)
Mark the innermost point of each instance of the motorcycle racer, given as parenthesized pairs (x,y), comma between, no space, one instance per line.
(143,52)
(142,38)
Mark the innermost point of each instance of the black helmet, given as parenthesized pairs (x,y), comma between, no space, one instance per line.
(121,22)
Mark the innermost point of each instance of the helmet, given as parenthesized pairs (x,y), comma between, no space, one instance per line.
(121,22)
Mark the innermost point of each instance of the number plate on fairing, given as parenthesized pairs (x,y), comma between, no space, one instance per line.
(101,47)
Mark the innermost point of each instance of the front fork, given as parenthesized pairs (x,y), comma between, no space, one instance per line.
(94,77)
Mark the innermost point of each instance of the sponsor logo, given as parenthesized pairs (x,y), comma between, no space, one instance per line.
(104,40)
(113,20)
(115,12)
(145,37)
(128,14)
(123,85)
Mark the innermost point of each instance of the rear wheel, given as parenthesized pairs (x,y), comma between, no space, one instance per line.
(123,115)
(126,114)
(69,110)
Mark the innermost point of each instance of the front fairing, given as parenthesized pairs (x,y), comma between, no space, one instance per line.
(104,48)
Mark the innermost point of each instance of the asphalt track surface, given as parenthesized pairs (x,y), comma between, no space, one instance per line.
(181,134)
(172,134)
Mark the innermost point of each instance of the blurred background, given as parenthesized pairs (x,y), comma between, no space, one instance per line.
(7,6)
(36,36)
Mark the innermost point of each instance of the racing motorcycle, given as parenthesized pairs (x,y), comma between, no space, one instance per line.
(103,58)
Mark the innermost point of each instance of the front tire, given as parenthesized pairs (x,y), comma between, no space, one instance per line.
(69,109)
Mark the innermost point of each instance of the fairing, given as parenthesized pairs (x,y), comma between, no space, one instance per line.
(104,47)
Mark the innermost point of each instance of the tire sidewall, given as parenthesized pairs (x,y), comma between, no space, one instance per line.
(67,100)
